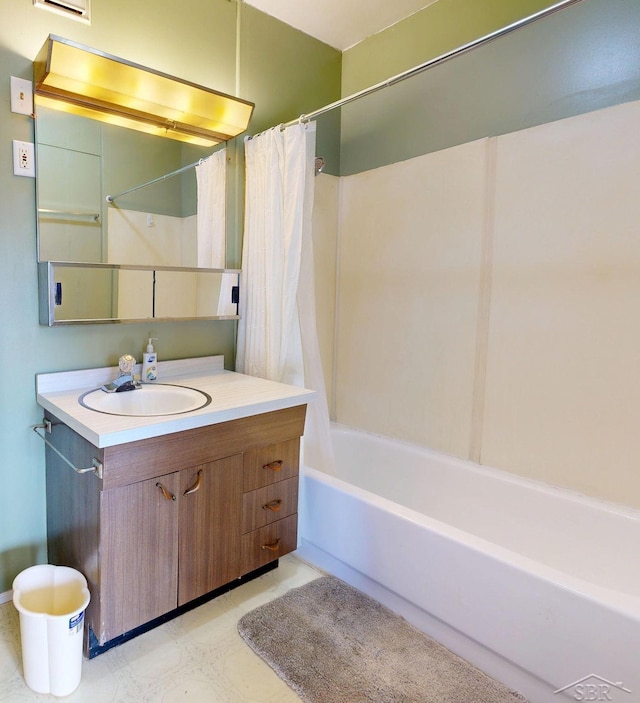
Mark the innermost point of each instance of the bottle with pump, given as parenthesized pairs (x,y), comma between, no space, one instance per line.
(150,363)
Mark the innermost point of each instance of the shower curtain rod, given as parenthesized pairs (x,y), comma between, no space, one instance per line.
(386,83)
(433,62)
(182,169)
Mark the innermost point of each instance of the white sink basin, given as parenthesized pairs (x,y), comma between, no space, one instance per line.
(146,401)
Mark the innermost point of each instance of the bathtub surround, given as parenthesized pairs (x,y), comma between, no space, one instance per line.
(501,275)
(562,391)
(408,309)
(331,643)
(325,233)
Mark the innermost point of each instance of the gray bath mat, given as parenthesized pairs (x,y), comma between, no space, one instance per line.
(333,644)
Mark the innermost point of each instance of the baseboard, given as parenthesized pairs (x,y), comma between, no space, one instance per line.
(6,597)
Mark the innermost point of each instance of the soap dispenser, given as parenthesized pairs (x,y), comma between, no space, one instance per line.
(150,363)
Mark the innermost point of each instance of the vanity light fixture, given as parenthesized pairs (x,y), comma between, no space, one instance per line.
(75,78)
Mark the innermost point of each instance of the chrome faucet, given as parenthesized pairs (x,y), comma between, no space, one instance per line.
(125,380)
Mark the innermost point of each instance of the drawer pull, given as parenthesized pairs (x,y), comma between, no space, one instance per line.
(273,506)
(167,494)
(273,547)
(274,465)
(196,485)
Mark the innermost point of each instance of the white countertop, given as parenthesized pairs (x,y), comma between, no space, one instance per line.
(233,396)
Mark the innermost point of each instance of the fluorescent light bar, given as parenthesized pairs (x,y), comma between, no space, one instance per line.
(78,79)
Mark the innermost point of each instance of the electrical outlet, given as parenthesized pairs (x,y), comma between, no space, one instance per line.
(21,96)
(23,159)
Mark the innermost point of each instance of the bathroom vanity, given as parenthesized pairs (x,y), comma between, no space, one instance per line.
(163,512)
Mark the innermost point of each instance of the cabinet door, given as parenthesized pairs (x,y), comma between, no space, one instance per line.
(139,554)
(210,517)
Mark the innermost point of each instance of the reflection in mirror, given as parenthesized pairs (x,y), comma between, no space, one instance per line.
(189,294)
(92,293)
(80,161)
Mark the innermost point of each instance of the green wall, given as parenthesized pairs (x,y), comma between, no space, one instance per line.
(439,28)
(584,57)
(194,40)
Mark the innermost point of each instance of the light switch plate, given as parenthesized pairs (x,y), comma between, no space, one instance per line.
(23,159)
(21,96)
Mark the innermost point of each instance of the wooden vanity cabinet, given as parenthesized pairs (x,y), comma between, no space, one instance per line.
(173,517)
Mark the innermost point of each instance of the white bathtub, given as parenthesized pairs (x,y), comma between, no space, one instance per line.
(538,586)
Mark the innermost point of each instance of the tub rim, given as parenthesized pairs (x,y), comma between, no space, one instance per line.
(621,602)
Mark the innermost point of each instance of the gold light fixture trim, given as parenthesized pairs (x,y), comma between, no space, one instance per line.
(84,81)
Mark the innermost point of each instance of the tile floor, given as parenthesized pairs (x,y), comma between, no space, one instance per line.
(197,657)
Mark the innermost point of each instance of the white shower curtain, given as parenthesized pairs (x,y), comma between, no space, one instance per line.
(211,179)
(277,335)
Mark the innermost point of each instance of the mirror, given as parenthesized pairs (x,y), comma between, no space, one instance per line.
(90,293)
(80,161)
(134,247)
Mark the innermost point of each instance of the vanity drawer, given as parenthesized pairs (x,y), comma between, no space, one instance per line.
(275,462)
(268,504)
(268,543)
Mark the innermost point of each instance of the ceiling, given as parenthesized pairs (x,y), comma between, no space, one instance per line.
(340,23)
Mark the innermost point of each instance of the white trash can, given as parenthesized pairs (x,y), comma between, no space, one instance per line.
(51,601)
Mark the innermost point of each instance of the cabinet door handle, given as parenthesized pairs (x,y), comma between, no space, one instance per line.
(196,485)
(274,465)
(273,547)
(167,494)
(273,506)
